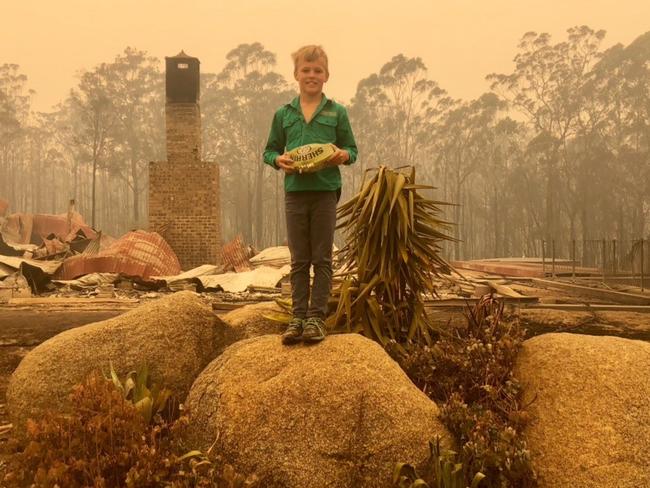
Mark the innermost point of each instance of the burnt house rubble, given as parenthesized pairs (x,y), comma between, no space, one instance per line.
(51,257)
(60,255)
(44,254)
(55,255)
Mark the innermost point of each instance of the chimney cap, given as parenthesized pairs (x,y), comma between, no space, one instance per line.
(182,55)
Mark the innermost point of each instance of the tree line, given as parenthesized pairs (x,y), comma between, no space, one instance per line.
(558,149)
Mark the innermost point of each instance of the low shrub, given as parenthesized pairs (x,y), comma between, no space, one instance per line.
(468,372)
(105,442)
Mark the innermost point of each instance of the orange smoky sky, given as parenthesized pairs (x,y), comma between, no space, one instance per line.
(460,41)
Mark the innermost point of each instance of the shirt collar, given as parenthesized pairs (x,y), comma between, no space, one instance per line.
(295,103)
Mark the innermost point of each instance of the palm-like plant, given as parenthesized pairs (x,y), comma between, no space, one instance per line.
(391,257)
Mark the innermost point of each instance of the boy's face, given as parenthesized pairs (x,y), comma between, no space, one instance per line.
(311,75)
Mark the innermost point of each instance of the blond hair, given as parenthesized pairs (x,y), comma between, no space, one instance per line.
(310,54)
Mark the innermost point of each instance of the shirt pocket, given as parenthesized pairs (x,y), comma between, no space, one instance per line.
(291,127)
(325,128)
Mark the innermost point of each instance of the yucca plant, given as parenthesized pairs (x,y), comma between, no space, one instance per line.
(284,315)
(391,257)
(147,400)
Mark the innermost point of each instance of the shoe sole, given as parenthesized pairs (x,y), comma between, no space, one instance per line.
(291,340)
(313,339)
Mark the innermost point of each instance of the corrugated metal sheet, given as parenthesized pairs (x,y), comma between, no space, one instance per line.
(54,246)
(48,267)
(139,253)
(264,276)
(62,226)
(23,228)
(277,257)
(235,255)
(17,228)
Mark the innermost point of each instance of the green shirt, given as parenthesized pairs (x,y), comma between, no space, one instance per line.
(329,124)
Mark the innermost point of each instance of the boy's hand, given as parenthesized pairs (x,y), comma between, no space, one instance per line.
(339,157)
(285,163)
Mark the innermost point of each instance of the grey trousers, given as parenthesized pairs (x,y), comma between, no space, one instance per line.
(311,220)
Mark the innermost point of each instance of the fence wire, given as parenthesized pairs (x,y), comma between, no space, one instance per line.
(607,258)
(610,259)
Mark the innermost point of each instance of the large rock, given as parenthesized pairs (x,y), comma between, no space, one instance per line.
(252,320)
(336,414)
(556,319)
(590,411)
(631,325)
(176,336)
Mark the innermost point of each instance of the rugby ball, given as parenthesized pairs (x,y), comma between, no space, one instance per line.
(311,157)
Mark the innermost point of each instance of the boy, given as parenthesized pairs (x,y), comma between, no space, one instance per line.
(310,198)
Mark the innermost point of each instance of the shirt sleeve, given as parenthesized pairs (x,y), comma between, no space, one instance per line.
(276,142)
(345,137)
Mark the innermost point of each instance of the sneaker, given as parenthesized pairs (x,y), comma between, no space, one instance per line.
(313,330)
(293,332)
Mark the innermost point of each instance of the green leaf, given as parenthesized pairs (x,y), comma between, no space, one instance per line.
(411,212)
(190,454)
(400,181)
(279,317)
(160,399)
(419,484)
(145,407)
(367,288)
(403,469)
(284,303)
(129,385)
(115,379)
(478,477)
(418,187)
(378,190)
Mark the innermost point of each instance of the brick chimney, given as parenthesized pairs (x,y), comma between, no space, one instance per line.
(184,191)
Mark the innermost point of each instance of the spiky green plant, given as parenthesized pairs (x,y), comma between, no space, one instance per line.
(391,257)
(282,316)
(446,472)
(148,400)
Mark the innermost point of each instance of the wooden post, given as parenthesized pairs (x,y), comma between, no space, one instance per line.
(614,257)
(642,266)
(604,254)
(573,258)
(71,205)
(543,257)
(553,258)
